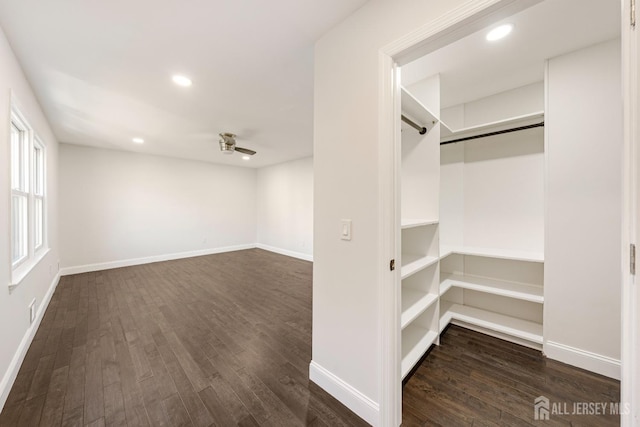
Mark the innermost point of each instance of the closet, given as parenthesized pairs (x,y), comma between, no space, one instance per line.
(492,215)
(480,191)
(471,234)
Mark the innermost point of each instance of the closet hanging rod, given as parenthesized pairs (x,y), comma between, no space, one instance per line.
(499,132)
(421,129)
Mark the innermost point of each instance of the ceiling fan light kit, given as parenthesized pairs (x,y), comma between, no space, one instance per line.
(225,148)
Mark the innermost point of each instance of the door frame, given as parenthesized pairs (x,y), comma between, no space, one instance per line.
(464,20)
(630,316)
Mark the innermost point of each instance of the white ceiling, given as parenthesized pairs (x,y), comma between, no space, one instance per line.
(473,68)
(102,72)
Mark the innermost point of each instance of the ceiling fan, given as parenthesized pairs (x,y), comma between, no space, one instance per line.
(228,145)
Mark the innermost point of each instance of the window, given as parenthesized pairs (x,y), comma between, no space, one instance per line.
(19,192)
(28,197)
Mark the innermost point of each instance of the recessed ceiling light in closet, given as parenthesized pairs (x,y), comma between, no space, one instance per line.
(182,80)
(246,158)
(138,140)
(499,32)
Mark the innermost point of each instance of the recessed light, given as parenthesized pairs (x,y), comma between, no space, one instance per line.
(138,140)
(246,158)
(499,32)
(182,80)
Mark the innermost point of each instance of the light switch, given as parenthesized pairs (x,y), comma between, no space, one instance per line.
(345,233)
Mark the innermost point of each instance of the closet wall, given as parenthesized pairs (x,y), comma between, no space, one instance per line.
(492,189)
(584,208)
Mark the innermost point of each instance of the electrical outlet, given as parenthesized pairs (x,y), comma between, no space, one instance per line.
(32,311)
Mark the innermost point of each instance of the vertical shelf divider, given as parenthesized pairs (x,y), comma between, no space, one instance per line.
(419,228)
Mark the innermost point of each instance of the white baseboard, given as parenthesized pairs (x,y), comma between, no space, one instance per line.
(147,260)
(18,357)
(366,408)
(593,362)
(286,252)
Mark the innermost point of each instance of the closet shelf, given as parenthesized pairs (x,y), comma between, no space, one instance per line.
(509,254)
(416,341)
(447,134)
(519,328)
(491,286)
(414,303)
(411,223)
(411,264)
(416,111)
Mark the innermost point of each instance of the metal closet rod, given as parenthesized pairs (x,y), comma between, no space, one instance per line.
(499,132)
(421,129)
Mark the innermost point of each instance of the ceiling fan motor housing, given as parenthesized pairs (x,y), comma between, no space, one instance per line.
(226,148)
(227,143)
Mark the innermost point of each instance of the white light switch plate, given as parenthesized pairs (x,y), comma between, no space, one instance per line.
(345,229)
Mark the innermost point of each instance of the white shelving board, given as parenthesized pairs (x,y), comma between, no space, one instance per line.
(411,264)
(447,134)
(411,223)
(414,303)
(416,111)
(515,255)
(415,342)
(519,328)
(519,291)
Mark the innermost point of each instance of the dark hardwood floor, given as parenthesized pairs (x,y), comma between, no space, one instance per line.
(216,340)
(472,379)
(226,340)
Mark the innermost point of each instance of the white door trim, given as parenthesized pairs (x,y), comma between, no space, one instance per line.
(630,352)
(390,391)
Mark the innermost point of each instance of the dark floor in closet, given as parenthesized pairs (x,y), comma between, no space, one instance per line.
(475,379)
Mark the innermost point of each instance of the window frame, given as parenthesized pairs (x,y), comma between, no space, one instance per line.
(38,193)
(29,185)
(20,188)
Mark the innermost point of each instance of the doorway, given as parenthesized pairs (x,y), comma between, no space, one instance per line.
(434,41)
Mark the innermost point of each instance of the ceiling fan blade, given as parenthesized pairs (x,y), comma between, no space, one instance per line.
(245,151)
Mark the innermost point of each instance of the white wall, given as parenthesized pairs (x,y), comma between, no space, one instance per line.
(504,191)
(584,207)
(420,157)
(511,103)
(285,208)
(452,194)
(492,188)
(120,207)
(15,330)
(348,275)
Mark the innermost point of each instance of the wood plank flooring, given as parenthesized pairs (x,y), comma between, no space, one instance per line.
(472,379)
(226,340)
(216,340)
